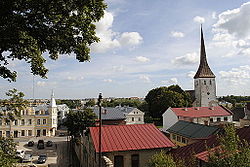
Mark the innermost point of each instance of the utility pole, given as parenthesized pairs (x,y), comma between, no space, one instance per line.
(100,128)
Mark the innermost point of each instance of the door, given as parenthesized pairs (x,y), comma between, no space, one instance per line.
(118,161)
(38,133)
(44,132)
(135,160)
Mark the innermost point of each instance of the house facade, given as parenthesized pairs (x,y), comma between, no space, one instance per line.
(33,121)
(200,115)
(123,145)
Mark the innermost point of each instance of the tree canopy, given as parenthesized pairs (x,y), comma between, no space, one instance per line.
(231,152)
(30,28)
(159,99)
(77,121)
(7,152)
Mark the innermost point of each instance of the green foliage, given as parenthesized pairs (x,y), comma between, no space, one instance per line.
(160,99)
(77,121)
(14,104)
(90,103)
(7,152)
(231,152)
(162,159)
(235,99)
(123,102)
(30,28)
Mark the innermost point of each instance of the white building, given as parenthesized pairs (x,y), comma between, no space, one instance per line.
(200,115)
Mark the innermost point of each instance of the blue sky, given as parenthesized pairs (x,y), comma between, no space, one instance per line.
(146,44)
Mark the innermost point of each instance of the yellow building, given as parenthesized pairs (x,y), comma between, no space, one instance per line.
(34,121)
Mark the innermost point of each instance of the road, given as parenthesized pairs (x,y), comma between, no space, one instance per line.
(58,154)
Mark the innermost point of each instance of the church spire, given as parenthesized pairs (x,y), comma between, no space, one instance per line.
(53,101)
(204,70)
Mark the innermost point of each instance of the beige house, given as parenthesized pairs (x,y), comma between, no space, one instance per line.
(34,121)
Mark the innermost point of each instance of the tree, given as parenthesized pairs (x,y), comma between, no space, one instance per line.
(90,103)
(231,152)
(77,121)
(14,104)
(30,28)
(162,159)
(159,99)
(7,152)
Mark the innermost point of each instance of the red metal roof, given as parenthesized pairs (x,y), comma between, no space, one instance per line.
(196,112)
(129,137)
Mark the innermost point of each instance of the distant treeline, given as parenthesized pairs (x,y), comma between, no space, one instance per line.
(235,99)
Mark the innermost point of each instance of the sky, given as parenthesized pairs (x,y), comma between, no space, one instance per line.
(147,44)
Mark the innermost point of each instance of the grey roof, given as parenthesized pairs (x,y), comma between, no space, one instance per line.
(238,113)
(109,113)
(192,130)
(41,107)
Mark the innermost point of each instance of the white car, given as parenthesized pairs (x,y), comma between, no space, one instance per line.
(20,153)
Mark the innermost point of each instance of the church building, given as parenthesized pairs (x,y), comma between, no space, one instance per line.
(204,81)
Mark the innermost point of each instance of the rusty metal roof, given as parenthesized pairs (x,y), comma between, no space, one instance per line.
(204,70)
(129,137)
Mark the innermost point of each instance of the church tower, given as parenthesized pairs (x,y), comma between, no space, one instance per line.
(53,114)
(204,81)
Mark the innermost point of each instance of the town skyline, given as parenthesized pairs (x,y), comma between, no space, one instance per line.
(144,46)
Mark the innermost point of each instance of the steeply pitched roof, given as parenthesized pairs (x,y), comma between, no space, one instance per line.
(204,70)
(109,113)
(192,130)
(129,137)
(196,112)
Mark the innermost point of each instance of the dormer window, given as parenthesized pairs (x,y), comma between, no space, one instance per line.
(205,83)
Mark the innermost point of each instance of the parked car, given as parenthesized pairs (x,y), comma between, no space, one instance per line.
(40,144)
(49,143)
(30,143)
(19,153)
(27,158)
(42,159)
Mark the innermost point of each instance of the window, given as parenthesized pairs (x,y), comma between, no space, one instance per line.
(44,132)
(205,83)
(139,119)
(133,119)
(23,133)
(7,122)
(184,140)
(174,137)
(30,121)
(178,139)
(225,119)
(38,122)
(218,120)
(7,133)
(37,112)
(135,160)
(29,132)
(211,119)
(118,161)
(1,134)
(22,122)
(44,121)
(15,122)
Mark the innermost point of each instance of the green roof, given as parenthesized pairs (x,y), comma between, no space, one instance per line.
(192,130)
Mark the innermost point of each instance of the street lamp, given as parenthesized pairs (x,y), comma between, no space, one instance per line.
(100,128)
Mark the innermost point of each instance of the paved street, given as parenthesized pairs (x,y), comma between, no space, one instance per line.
(58,154)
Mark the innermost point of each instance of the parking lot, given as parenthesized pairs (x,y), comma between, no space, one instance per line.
(57,154)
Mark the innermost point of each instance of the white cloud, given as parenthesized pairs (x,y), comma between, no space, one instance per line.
(109,39)
(240,75)
(191,74)
(171,81)
(199,19)
(130,39)
(41,83)
(235,22)
(189,58)
(145,78)
(108,80)
(214,15)
(119,68)
(177,34)
(142,59)
(75,78)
